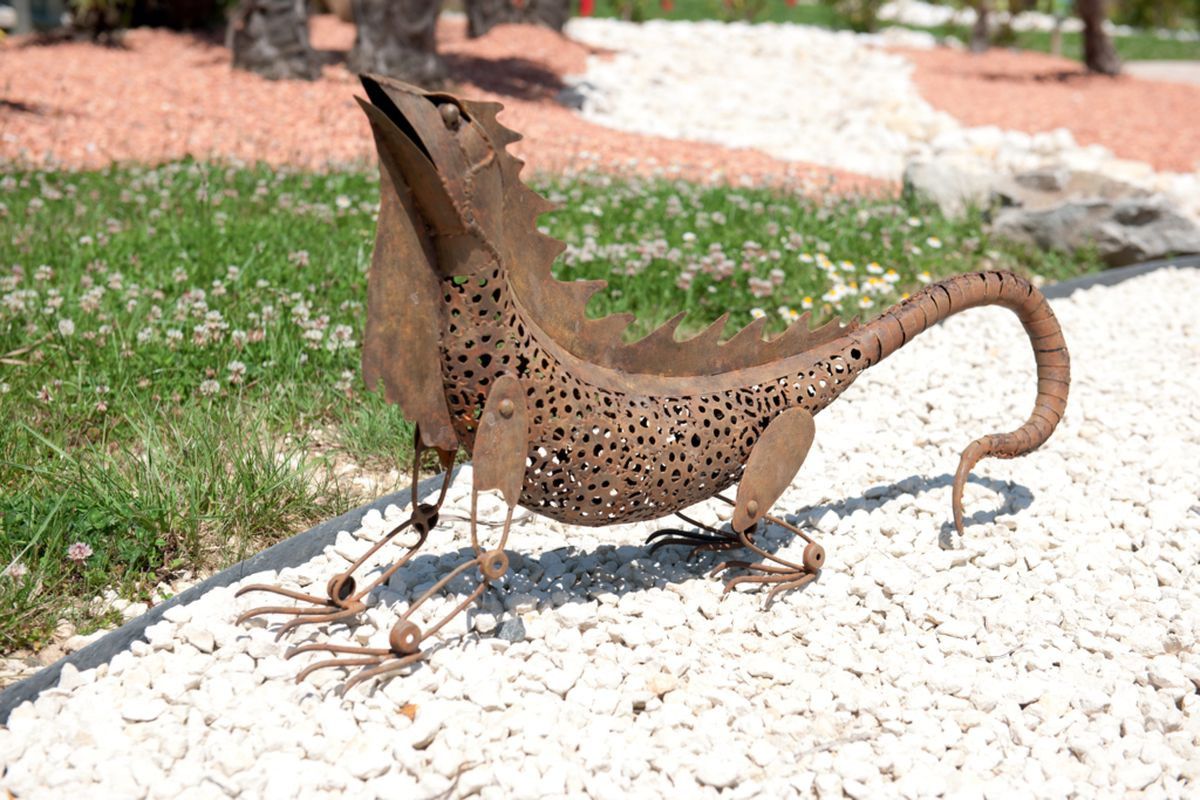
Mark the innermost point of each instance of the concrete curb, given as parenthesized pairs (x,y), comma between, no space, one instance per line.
(294,550)
(304,546)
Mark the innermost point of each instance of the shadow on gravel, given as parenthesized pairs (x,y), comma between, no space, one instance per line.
(637,570)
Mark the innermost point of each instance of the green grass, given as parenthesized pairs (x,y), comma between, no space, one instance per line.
(179,345)
(1139,46)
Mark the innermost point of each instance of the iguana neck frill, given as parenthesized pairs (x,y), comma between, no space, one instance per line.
(618,432)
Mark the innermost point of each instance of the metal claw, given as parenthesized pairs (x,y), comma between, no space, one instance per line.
(318,619)
(385,668)
(264,587)
(294,610)
(335,662)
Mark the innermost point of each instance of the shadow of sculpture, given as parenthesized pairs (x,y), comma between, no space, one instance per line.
(639,570)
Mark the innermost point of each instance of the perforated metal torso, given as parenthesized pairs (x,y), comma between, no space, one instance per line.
(601,450)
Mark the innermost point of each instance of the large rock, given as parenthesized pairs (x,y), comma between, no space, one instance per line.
(1122,231)
(952,188)
(1056,208)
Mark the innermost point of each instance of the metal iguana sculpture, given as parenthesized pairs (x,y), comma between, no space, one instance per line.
(468,330)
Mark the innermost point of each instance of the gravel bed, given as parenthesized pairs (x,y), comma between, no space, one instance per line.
(1050,651)
(836,98)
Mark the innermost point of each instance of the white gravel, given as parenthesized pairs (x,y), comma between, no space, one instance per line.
(801,93)
(1051,652)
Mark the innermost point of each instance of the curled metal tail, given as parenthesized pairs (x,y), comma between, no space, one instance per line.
(937,302)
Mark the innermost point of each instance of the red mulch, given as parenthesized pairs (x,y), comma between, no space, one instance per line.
(1143,120)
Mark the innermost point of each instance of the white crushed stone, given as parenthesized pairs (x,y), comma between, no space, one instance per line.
(1050,652)
(801,93)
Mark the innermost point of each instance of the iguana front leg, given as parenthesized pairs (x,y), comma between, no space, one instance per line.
(501,446)
(343,599)
(776,458)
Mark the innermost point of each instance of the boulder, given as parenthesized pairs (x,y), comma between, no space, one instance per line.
(1056,208)
(1122,231)
(953,188)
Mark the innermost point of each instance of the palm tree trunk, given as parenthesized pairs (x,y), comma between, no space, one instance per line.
(1098,52)
(270,38)
(483,15)
(398,38)
(980,35)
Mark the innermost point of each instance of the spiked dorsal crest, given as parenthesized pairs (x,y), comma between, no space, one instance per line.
(558,307)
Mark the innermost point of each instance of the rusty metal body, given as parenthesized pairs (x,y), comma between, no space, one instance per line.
(484,349)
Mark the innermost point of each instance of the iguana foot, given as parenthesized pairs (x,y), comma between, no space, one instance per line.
(406,638)
(343,598)
(714,541)
(784,575)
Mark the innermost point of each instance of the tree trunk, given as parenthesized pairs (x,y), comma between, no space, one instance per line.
(270,38)
(483,15)
(981,38)
(1098,52)
(397,38)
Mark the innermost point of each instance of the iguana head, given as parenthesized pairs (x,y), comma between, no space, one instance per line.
(439,148)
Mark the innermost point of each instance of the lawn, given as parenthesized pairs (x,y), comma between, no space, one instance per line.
(1139,46)
(179,345)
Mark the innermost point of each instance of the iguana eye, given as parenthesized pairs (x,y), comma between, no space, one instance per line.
(451,116)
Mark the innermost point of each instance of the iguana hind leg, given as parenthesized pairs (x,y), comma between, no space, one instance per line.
(776,458)
(501,445)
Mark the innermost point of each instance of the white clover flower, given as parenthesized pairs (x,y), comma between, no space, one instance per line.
(209,387)
(237,371)
(16,570)
(66,327)
(79,552)
(145,335)
(43,273)
(342,202)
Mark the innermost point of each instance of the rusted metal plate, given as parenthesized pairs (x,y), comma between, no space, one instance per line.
(401,347)
(502,441)
(773,463)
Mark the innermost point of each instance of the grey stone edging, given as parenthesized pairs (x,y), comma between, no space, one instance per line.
(288,553)
(304,546)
